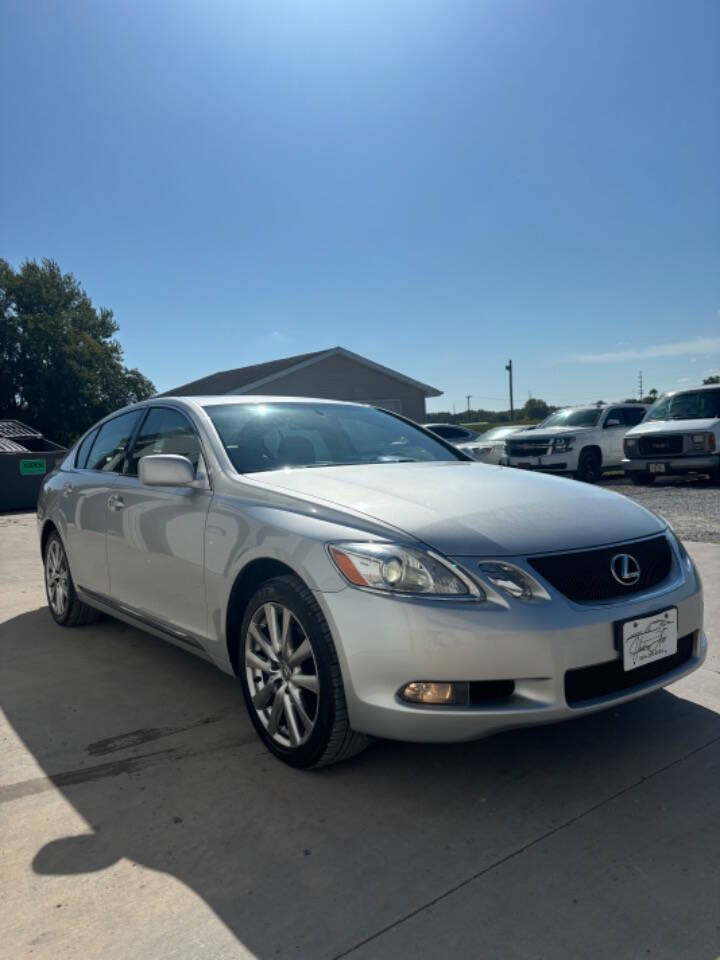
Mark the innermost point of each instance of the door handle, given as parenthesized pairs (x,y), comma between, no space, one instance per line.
(115,501)
(67,489)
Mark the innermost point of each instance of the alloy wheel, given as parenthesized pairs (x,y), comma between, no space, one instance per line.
(57,578)
(282,674)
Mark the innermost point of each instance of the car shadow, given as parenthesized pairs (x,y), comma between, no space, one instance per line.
(154,749)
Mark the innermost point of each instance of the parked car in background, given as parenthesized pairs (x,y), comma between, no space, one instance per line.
(489,447)
(580,441)
(679,436)
(452,432)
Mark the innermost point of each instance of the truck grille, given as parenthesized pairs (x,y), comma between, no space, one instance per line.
(528,448)
(586,576)
(604,679)
(650,446)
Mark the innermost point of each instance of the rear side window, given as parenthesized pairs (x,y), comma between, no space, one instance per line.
(111,443)
(84,449)
(164,431)
(634,415)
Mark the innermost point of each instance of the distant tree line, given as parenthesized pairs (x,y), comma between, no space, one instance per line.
(533,409)
(60,367)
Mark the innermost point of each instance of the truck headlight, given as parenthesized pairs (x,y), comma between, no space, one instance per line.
(698,441)
(630,444)
(398,569)
(562,444)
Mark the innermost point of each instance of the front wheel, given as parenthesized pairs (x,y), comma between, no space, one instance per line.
(589,467)
(291,679)
(640,479)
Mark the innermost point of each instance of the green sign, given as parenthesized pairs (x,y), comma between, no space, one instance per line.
(30,468)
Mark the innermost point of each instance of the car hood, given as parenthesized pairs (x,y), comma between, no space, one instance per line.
(546,433)
(672,426)
(472,509)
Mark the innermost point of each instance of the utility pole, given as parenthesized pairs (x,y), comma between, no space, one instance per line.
(640,385)
(508,367)
(469,398)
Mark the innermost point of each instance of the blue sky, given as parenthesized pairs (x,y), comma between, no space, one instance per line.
(436,185)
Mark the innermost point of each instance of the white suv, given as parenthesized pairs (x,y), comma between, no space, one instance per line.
(681,435)
(582,441)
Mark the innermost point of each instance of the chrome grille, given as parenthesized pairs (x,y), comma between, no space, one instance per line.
(528,448)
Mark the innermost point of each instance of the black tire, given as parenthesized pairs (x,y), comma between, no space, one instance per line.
(642,479)
(74,612)
(332,739)
(589,467)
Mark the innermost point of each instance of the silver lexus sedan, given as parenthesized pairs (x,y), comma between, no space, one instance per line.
(361,577)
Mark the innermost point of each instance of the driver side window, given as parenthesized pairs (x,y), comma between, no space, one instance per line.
(615,414)
(164,431)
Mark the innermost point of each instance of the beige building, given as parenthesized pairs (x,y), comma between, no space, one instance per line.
(334,374)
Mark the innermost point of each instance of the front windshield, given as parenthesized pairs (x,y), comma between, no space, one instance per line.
(271,436)
(700,405)
(586,417)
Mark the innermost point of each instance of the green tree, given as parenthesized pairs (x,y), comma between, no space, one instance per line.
(535,409)
(60,367)
(713,379)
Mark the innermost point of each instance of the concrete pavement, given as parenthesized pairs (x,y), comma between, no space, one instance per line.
(140,817)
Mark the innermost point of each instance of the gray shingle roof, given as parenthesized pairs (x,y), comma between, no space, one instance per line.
(227,381)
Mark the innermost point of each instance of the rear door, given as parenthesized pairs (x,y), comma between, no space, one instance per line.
(156,534)
(83,501)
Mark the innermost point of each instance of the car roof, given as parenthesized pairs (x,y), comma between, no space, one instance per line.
(212,400)
(703,386)
(436,424)
(602,406)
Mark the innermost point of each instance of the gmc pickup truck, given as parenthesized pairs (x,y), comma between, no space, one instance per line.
(680,435)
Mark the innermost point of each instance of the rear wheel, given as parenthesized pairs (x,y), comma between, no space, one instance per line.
(589,466)
(65,607)
(291,678)
(642,479)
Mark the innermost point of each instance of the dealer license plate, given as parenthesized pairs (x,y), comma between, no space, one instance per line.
(649,638)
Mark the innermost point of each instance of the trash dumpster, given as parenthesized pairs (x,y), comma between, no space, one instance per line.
(25,457)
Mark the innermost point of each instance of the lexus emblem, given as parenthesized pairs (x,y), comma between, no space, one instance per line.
(625,569)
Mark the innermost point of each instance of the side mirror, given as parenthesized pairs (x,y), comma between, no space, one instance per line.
(613,423)
(165,470)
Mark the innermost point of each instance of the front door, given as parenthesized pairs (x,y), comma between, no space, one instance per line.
(156,534)
(614,430)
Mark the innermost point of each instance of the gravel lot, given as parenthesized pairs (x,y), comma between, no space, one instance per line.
(691,507)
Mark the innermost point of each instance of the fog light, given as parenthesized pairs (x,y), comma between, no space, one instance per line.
(427,691)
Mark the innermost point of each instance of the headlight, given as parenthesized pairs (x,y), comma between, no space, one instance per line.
(560,444)
(510,580)
(685,557)
(630,443)
(401,570)
(698,441)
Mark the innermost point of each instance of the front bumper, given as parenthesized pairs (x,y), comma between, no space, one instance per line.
(551,463)
(673,465)
(384,643)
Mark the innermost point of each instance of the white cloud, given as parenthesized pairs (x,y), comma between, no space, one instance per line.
(683,379)
(679,349)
